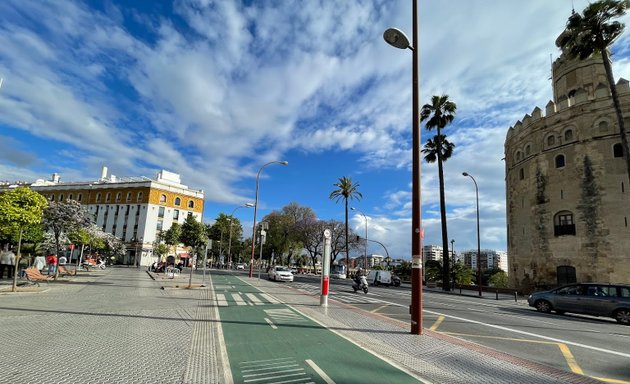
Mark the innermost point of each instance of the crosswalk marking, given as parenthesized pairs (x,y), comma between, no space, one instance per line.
(269,298)
(254,298)
(221,302)
(239,300)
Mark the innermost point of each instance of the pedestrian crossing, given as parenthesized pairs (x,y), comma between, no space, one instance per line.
(227,298)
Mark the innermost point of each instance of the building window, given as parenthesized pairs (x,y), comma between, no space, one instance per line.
(98,197)
(563,224)
(178,201)
(61,197)
(128,196)
(521,174)
(139,198)
(118,197)
(161,212)
(79,197)
(51,197)
(191,204)
(603,126)
(70,196)
(175,214)
(559,161)
(518,155)
(162,198)
(551,140)
(158,226)
(617,150)
(108,197)
(568,135)
(528,149)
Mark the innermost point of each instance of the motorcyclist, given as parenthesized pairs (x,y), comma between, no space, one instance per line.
(357,276)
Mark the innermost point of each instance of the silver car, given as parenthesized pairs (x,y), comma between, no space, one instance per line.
(279,273)
(597,299)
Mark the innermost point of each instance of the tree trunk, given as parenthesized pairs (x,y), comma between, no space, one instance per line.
(617,105)
(445,257)
(17,262)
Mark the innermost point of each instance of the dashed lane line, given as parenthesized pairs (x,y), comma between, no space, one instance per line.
(238,299)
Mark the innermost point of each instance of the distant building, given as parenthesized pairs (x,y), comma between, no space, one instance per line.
(435,253)
(134,209)
(568,198)
(490,259)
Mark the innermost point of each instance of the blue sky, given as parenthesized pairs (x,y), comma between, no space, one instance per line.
(214,90)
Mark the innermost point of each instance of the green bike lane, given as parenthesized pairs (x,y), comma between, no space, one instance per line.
(271,342)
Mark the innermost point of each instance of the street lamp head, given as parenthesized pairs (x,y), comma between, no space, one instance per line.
(353,209)
(283,162)
(465,174)
(396,38)
(248,205)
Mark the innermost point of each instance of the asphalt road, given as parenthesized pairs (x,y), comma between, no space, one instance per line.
(595,347)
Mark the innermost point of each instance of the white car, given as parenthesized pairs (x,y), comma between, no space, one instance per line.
(279,273)
(240,266)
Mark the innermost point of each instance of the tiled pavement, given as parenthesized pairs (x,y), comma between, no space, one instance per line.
(118,326)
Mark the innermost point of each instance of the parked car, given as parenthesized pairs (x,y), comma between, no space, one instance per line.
(597,299)
(240,266)
(395,280)
(279,273)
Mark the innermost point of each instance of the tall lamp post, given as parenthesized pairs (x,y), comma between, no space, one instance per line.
(246,205)
(251,260)
(453,262)
(366,236)
(397,39)
(478,239)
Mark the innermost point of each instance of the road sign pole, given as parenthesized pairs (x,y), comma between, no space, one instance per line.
(323,299)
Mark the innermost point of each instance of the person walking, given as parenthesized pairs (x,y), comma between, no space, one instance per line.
(51,260)
(5,262)
(40,262)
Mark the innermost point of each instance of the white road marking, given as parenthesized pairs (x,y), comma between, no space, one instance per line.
(271,323)
(269,298)
(319,371)
(239,300)
(221,302)
(254,299)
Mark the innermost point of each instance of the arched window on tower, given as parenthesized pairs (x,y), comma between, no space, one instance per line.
(551,140)
(563,224)
(559,161)
(617,150)
(568,135)
(528,149)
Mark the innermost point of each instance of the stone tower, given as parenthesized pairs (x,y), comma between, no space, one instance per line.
(568,198)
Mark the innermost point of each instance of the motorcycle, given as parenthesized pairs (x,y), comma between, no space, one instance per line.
(360,284)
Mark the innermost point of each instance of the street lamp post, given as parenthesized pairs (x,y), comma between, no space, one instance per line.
(478,239)
(396,38)
(453,262)
(251,259)
(246,205)
(366,236)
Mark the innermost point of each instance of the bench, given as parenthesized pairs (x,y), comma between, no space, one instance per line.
(32,274)
(63,271)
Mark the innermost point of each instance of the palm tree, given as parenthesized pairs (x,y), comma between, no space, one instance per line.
(347,190)
(439,114)
(430,149)
(593,32)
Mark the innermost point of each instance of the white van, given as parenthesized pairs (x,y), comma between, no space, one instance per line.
(379,277)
